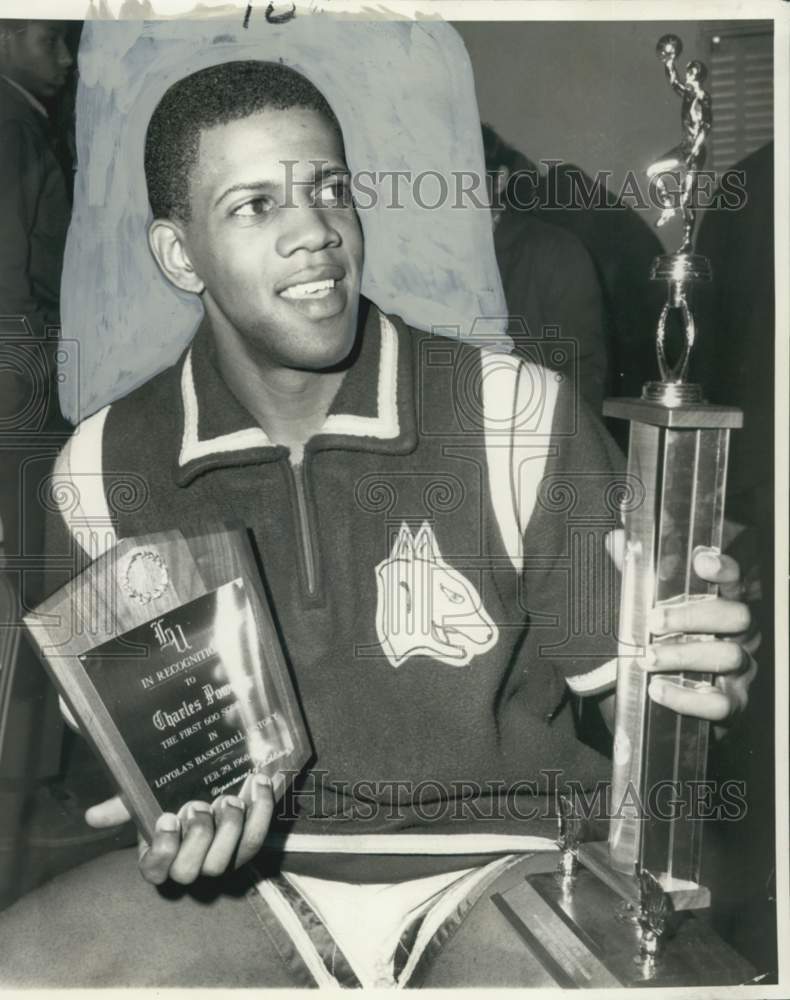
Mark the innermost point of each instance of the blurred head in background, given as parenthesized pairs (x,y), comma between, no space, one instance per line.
(34,54)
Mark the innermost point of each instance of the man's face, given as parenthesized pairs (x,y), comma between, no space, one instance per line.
(35,55)
(275,239)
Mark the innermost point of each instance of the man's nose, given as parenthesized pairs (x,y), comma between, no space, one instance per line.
(306,227)
(65,58)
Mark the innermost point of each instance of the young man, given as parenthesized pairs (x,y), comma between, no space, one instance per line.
(408,498)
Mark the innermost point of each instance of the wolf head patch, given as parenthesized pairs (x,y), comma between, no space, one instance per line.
(427,608)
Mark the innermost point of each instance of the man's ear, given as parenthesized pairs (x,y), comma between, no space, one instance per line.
(166,239)
(501,178)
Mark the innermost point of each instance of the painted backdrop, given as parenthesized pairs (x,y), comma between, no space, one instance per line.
(405,98)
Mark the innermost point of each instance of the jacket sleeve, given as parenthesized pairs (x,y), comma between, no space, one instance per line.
(571,583)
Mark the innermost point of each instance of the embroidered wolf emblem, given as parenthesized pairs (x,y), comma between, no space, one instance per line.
(425,607)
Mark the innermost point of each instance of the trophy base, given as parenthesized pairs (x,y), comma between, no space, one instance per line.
(684,895)
(574,936)
(695,416)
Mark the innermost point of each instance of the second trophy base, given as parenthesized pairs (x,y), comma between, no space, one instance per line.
(684,895)
(577,934)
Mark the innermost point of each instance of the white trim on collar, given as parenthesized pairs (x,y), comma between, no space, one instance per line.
(191,445)
(31,100)
(385,425)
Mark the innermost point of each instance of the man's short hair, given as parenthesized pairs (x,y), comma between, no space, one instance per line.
(11,25)
(522,183)
(208,98)
(497,152)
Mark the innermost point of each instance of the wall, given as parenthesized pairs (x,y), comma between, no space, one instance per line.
(555,90)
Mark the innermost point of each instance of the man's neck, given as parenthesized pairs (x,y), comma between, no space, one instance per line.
(290,405)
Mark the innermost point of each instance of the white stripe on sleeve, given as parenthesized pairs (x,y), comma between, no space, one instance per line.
(519,399)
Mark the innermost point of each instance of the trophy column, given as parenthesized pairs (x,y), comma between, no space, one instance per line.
(678,451)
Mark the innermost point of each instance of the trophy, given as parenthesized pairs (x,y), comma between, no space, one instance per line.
(621,912)
(678,451)
(165,652)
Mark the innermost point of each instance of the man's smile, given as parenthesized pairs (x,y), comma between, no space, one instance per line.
(311,275)
(317,292)
(311,289)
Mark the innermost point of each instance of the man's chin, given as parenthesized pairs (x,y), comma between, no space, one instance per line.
(329,344)
(328,360)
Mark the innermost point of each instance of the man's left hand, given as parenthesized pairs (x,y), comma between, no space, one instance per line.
(708,637)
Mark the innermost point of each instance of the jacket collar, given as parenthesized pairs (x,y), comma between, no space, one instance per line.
(25,95)
(373,410)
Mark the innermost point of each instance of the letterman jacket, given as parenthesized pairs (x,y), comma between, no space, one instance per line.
(436,570)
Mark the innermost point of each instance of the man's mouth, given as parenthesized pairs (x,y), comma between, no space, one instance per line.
(310,290)
(318,293)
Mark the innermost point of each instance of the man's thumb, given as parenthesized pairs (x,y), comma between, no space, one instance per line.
(615,546)
(111,812)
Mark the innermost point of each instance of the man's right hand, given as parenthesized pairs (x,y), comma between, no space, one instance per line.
(202,839)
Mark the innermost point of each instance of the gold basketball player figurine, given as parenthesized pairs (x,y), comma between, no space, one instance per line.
(689,155)
(683,268)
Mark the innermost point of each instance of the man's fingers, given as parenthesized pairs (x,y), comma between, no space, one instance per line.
(155,860)
(710,565)
(736,686)
(259,815)
(229,812)
(714,657)
(721,569)
(704,701)
(208,839)
(717,568)
(716,616)
(197,823)
(111,812)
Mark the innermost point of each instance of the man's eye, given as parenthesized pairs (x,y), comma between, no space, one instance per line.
(335,193)
(53,37)
(256,206)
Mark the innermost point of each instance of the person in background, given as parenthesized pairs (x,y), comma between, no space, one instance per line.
(36,810)
(34,199)
(734,362)
(550,284)
(619,243)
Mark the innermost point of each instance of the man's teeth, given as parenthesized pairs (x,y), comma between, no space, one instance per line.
(310,289)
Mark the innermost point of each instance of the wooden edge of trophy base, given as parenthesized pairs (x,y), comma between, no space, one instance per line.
(684,895)
(691,415)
